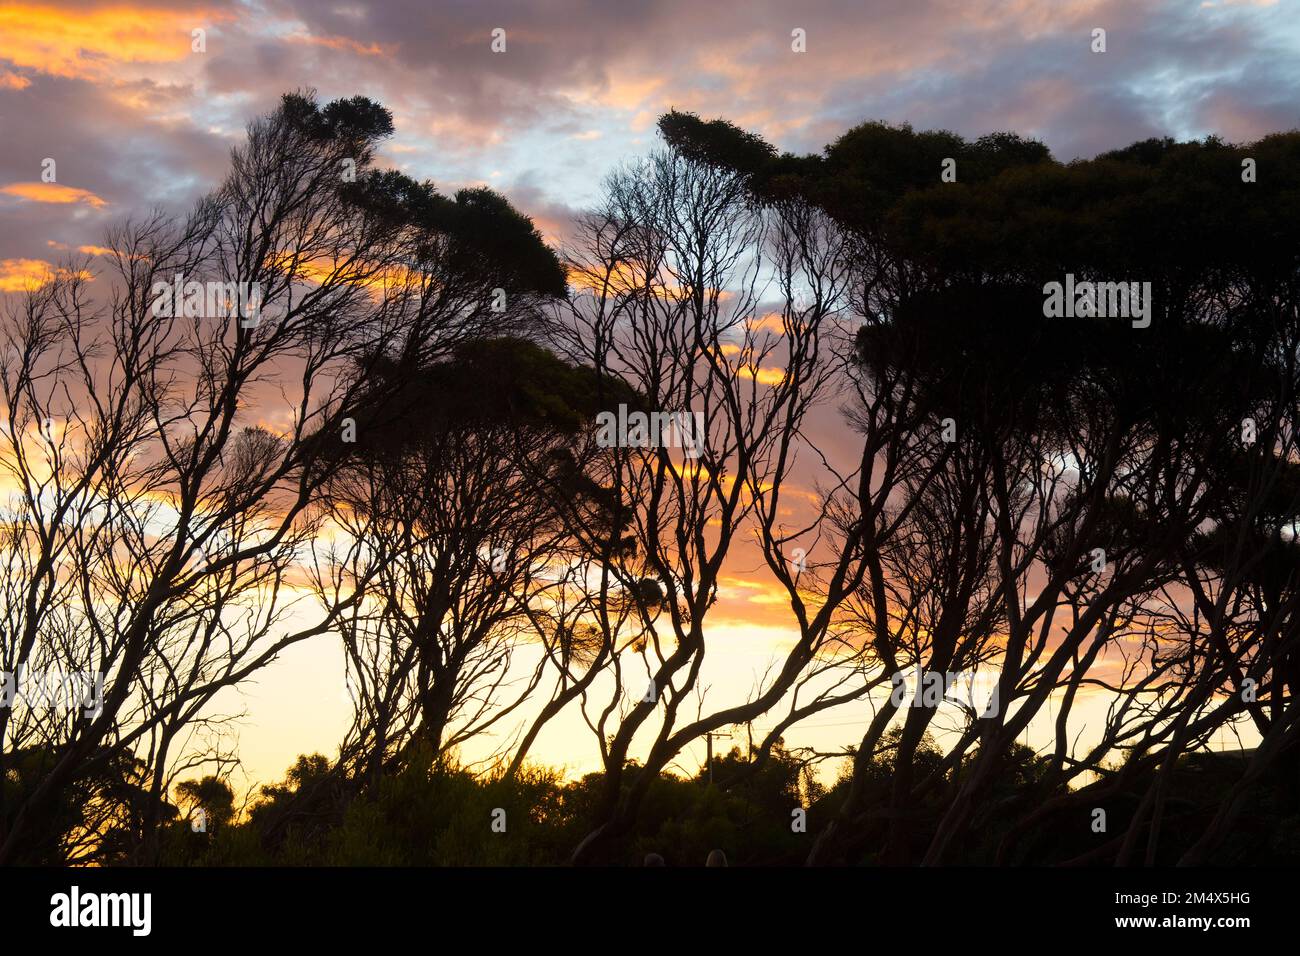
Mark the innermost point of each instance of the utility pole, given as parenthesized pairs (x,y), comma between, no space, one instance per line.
(708,759)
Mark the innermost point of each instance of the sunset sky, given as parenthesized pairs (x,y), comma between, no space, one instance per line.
(133,117)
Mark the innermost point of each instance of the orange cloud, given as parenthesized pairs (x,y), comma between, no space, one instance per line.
(82,43)
(88,250)
(763,376)
(769,322)
(53,192)
(19,275)
(343,43)
(24,275)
